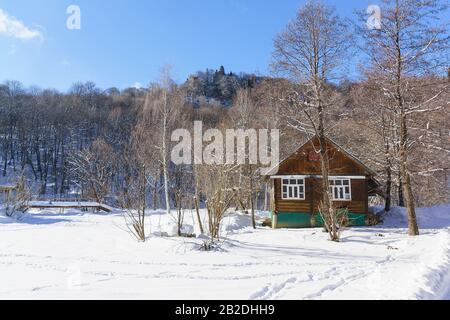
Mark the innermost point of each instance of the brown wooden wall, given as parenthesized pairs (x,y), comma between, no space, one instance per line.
(294,205)
(341,164)
(360,198)
(359,203)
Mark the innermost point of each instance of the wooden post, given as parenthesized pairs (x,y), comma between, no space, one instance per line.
(366,192)
(273,205)
(275,220)
(311,185)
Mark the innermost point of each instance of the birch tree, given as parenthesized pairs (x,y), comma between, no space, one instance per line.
(161,109)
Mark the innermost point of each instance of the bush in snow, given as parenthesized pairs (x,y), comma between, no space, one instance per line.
(218,191)
(134,203)
(335,221)
(18,201)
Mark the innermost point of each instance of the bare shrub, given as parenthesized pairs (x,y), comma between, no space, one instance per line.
(335,220)
(134,204)
(219,193)
(18,201)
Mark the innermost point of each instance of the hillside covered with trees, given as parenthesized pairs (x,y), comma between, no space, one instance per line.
(101,144)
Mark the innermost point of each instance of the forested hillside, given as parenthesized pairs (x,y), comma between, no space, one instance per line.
(48,135)
(115,145)
(217,87)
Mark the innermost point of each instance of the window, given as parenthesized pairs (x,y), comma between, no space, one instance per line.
(293,189)
(341,189)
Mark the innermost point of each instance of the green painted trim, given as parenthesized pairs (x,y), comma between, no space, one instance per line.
(294,220)
(357,219)
(297,220)
(318,221)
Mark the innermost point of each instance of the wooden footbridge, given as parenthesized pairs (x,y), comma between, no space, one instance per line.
(64,204)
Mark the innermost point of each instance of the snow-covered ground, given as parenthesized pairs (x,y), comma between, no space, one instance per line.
(49,255)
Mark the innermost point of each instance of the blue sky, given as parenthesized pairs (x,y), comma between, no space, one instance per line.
(123,42)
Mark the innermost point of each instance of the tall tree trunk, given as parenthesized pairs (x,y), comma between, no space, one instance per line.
(252,200)
(165,165)
(326,202)
(155,195)
(403,148)
(387,206)
(197,199)
(5,165)
(412,218)
(144,201)
(407,188)
(401,197)
(197,210)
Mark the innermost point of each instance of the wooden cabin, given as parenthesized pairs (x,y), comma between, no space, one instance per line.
(296,187)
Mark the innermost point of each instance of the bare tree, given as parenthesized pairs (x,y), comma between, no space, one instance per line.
(162,106)
(408,44)
(219,192)
(92,168)
(309,52)
(196,176)
(182,194)
(244,116)
(377,125)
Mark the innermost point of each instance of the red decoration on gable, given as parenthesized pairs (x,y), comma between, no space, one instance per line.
(314,156)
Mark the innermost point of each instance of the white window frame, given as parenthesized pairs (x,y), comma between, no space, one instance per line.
(293,188)
(341,189)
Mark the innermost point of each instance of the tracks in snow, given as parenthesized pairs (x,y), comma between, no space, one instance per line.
(282,276)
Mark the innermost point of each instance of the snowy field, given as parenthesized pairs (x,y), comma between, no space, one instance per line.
(49,255)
